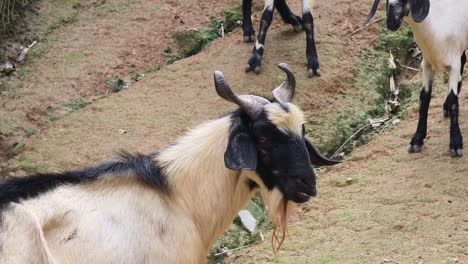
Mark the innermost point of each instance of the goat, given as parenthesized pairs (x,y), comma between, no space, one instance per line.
(307,22)
(168,206)
(440,28)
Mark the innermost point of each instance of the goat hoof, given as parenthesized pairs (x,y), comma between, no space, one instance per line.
(250,38)
(456,153)
(414,148)
(311,73)
(257,69)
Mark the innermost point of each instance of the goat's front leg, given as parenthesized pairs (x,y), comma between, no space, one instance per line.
(424,100)
(313,67)
(456,139)
(255,60)
(288,16)
(247,28)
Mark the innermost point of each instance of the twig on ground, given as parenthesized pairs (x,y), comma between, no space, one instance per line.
(363,27)
(22,56)
(357,132)
(230,250)
(409,68)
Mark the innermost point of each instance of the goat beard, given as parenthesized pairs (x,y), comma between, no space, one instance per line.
(280,211)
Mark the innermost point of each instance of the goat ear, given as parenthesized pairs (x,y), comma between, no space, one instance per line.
(241,152)
(316,158)
(420,10)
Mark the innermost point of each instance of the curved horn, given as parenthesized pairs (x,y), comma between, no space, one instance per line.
(372,11)
(251,104)
(285,92)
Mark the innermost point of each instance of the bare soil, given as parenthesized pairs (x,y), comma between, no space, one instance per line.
(401,208)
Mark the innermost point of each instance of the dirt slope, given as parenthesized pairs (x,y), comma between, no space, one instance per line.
(165,103)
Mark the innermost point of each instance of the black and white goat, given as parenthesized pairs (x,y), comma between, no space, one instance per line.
(440,28)
(170,206)
(307,22)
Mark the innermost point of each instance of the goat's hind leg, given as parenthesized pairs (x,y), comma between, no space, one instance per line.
(424,100)
(288,16)
(455,81)
(21,238)
(247,28)
(463,61)
(255,60)
(313,67)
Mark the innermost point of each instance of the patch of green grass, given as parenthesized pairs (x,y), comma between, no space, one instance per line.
(60,13)
(169,53)
(107,7)
(191,42)
(27,164)
(76,104)
(51,115)
(30,132)
(116,84)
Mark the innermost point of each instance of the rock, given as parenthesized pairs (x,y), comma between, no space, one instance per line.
(395,122)
(7,68)
(247,220)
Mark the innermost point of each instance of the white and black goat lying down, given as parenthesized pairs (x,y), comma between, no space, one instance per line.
(440,28)
(170,206)
(307,22)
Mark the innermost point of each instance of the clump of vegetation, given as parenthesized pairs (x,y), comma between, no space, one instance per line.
(192,42)
(10,11)
(76,104)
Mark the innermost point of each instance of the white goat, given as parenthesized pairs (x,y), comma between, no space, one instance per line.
(440,28)
(170,206)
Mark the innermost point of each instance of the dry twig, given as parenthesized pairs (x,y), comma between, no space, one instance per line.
(363,27)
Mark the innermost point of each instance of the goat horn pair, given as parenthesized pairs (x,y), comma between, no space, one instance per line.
(372,11)
(252,104)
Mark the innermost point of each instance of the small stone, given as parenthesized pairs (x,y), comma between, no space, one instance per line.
(247,220)
(396,122)
(122,131)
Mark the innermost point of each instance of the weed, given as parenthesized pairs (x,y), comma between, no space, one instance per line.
(192,42)
(76,104)
(116,84)
(51,115)
(30,132)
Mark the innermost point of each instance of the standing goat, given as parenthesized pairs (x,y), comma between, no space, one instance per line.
(440,28)
(170,206)
(307,22)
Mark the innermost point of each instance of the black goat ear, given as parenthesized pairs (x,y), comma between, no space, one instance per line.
(316,158)
(241,152)
(420,10)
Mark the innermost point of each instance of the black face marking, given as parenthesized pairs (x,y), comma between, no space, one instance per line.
(142,166)
(282,159)
(395,13)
